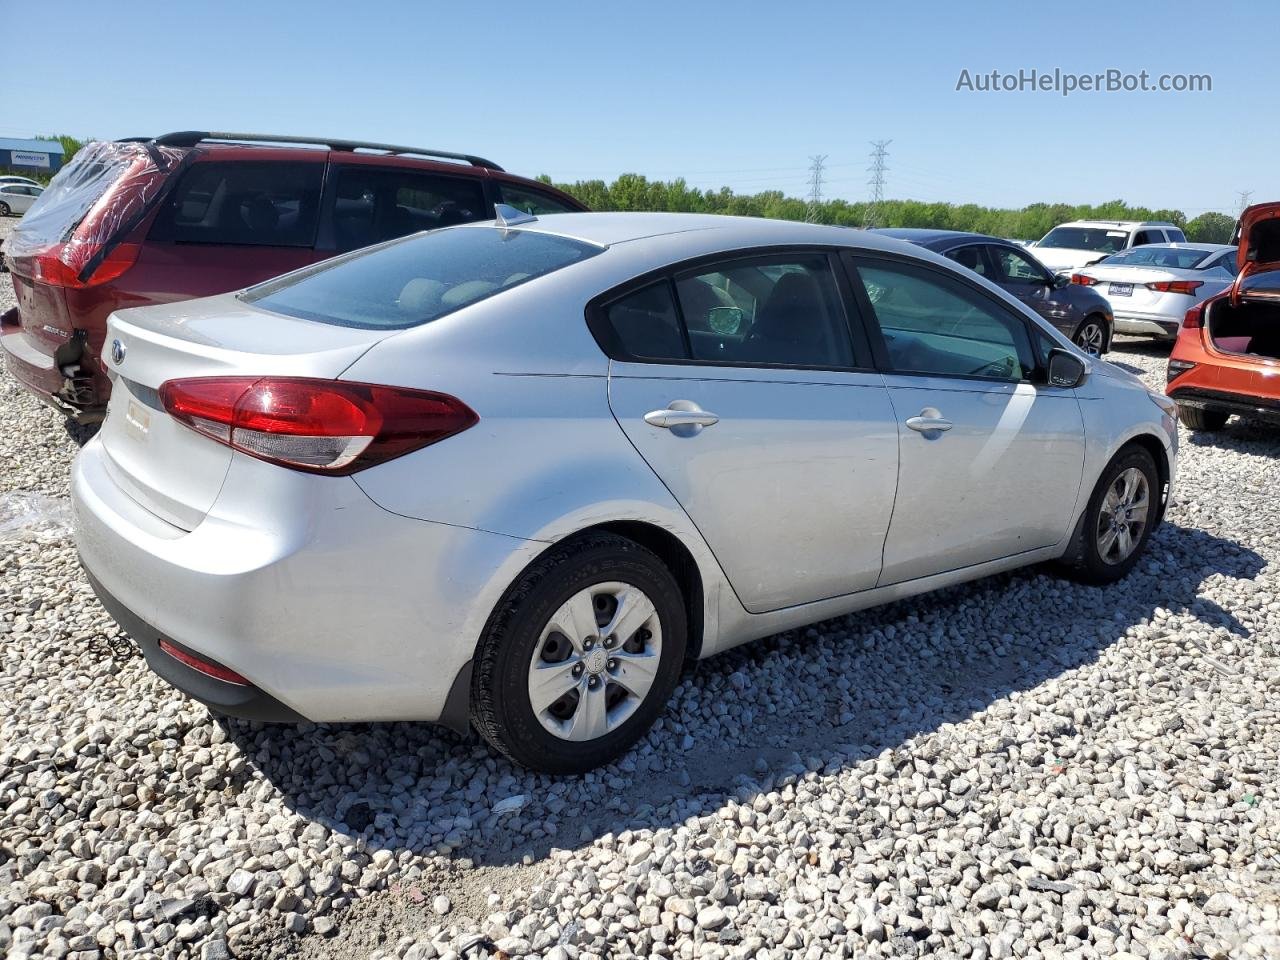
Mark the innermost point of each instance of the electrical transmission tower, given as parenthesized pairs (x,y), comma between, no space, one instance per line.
(1245,197)
(815,187)
(879,154)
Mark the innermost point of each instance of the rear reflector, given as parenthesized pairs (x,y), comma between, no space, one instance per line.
(1084,280)
(320,426)
(207,667)
(1175,286)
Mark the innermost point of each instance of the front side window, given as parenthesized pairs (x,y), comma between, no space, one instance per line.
(243,204)
(532,201)
(372,204)
(1017,268)
(418,279)
(933,325)
(783,311)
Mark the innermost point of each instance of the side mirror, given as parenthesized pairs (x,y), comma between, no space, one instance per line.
(1065,368)
(1060,281)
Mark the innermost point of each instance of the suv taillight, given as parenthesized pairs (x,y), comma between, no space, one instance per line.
(62,265)
(329,427)
(1194,318)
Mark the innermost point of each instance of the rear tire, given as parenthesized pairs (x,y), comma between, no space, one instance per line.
(1198,418)
(609,687)
(1109,539)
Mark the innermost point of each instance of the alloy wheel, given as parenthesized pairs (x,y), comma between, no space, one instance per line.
(1090,338)
(596,661)
(1123,516)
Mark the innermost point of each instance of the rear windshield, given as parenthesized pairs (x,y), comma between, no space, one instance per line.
(1149,256)
(1097,239)
(79,185)
(421,278)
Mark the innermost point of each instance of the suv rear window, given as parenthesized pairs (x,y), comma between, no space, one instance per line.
(245,204)
(418,279)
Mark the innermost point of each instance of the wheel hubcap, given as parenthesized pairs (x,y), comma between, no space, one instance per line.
(596,661)
(1123,516)
(1090,338)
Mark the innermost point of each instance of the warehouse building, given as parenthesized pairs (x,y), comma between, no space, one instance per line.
(30,156)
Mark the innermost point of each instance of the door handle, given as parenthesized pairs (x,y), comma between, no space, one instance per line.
(930,420)
(680,418)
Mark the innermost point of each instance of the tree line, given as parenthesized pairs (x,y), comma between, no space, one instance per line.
(633,191)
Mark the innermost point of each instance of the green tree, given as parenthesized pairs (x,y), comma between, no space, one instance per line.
(1211,227)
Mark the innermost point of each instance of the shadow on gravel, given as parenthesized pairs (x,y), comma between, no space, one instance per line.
(416,787)
(80,433)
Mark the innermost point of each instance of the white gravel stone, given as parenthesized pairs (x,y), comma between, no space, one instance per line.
(1017,767)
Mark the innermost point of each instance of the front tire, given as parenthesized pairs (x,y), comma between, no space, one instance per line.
(580,656)
(1198,418)
(1091,336)
(4,209)
(1117,523)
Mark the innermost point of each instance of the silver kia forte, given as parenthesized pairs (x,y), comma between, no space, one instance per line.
(513,475)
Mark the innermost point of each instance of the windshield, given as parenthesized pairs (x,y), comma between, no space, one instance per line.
(1098,239)
(1150,256)
(418,279)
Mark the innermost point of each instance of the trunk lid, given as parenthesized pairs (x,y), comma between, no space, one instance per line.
(168,468)
(1258,254)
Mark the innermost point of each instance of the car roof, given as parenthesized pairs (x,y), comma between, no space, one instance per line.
(1207,247)
(609,229)
(1119,223)
(929,237)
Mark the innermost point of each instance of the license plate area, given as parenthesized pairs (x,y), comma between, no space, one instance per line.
(1120,289)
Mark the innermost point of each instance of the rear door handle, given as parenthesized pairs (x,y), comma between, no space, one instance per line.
(680,418)
(929,421)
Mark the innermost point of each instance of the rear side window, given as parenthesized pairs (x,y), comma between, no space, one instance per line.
(418,279)
(532,201)
(783,311)
(373,204)
(243,204)
(1175,235)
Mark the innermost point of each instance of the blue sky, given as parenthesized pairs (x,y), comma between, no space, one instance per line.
(737,94)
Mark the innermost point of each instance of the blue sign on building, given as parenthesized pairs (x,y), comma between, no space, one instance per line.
(44,156)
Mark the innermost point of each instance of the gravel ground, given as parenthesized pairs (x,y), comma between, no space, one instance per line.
(1021,767)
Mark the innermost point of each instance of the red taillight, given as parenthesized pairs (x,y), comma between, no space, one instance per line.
(321,426)
(1175,286)
(61,266)
(1194,318)
(1084,280)
(207,667)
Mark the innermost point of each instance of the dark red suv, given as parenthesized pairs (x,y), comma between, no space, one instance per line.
(135,222)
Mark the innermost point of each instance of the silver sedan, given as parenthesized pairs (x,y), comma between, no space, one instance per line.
(514,475)
(1151,288)
(17,198)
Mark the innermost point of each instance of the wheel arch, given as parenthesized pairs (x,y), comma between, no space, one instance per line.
(1153,446)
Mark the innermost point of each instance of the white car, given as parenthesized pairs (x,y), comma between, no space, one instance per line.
(26,181)
(1070,246)
(513,475)
(1151,288)
(17,198)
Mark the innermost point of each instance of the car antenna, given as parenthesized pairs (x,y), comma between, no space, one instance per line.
(508,216)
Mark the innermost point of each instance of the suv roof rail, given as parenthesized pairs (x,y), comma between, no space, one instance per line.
(189,138)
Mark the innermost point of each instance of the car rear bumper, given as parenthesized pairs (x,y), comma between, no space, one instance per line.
(38,372)
(332,608)
(1265,409)
(1148,325)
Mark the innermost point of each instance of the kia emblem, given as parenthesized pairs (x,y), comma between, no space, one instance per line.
(117,352)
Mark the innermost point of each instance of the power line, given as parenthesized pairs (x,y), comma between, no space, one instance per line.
(815,187)
(877,170)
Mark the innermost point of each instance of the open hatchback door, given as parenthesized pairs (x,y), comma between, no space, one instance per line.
(1257,241)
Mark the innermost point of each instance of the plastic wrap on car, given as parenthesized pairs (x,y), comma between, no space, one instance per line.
(102,192)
